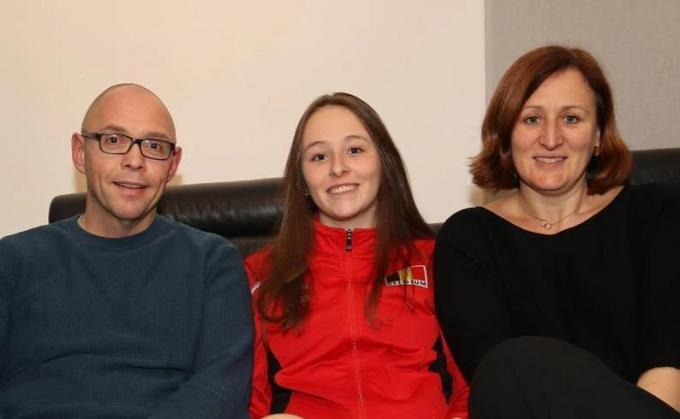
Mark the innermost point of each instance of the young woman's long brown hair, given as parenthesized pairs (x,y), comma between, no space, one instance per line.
(283,297)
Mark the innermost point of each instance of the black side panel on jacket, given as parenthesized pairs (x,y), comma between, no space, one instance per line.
(280,395)
(439,366)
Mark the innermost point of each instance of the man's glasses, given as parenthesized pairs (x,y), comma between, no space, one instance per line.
(151,148)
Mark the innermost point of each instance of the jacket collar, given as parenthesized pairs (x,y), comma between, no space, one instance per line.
(333,240)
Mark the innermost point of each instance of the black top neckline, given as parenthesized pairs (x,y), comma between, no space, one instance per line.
(592,219)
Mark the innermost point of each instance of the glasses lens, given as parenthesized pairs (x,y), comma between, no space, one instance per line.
(156,149)
(114,143)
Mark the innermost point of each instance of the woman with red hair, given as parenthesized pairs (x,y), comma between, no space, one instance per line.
(561,295)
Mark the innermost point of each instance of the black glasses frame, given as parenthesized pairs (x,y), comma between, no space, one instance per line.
(98,136)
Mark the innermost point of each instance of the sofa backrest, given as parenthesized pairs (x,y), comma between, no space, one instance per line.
(247,212)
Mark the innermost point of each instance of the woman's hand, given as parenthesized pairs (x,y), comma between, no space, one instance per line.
(664,383)
(282,416)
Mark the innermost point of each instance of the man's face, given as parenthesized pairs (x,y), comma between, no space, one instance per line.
(123,189)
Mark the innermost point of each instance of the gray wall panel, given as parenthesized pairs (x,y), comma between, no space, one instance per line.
(637,42)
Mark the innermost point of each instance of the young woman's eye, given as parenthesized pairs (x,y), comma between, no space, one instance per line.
(571,119)
(355,150)
(532,120)
(318,157)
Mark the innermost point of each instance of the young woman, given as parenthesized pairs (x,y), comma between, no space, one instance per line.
(568,255)
(343,298)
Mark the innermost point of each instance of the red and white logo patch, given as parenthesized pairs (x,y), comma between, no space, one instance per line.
(412,275)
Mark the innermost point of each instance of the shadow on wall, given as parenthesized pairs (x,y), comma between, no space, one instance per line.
(177,180)
(79,184)
(479,197)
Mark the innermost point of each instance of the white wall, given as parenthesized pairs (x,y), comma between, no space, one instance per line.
(237,76)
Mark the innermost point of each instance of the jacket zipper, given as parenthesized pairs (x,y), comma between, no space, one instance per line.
(353,329)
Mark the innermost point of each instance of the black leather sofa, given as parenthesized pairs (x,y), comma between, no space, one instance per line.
(246,212)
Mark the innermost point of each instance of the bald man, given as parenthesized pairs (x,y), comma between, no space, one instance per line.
(120,312)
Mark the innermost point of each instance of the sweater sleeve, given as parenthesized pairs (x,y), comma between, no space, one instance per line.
(220,384)
(469,296)
(660,287)
(261,395)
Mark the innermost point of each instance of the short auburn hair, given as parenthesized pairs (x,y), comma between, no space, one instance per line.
(493,167)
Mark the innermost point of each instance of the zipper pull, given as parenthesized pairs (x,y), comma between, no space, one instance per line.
(348,240)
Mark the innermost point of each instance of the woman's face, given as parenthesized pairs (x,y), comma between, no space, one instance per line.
(555,134)
(341,168)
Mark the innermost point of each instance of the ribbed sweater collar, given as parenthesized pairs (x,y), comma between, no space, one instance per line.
(158,228)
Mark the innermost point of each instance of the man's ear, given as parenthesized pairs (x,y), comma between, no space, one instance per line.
(174,163)
(78,152)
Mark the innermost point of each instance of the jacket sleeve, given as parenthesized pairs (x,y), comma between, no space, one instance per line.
(261,394)
(457,406)
(220,384)
(469,297)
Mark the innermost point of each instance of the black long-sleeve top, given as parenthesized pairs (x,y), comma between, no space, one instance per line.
(610,285)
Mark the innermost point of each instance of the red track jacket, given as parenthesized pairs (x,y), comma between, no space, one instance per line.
(340,366)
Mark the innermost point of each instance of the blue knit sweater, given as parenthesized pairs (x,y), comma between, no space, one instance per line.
(154,325)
